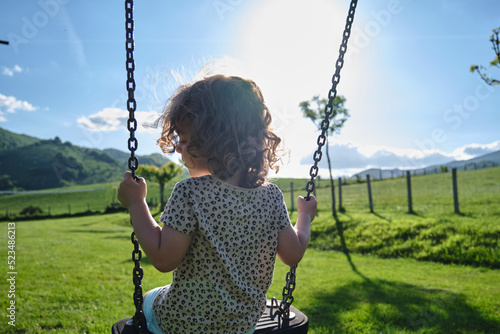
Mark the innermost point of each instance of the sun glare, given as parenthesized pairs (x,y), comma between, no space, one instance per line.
(290,46)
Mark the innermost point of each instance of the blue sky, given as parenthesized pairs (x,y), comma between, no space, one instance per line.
(412,100)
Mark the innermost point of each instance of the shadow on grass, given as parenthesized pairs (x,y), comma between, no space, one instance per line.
(381,305)
(416,214)
(345,250)
(381,217)
(326,239)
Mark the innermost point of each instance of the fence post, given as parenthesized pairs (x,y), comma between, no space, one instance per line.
(369,192)
(291,194)
(408,186)
(455,189)
(341,209)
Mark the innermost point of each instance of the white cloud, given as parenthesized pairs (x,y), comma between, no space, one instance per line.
(11,71)
(474,150)
(10,104)
(350,157)
(111,119)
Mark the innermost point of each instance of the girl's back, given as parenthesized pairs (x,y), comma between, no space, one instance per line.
(230,262)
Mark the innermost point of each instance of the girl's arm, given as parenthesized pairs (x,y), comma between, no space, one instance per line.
(165,247)
(293,241)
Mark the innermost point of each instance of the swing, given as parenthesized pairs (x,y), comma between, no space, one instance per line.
(279,317)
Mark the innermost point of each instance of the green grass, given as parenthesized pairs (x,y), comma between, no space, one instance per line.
(479,194)
(74,276)
(61,203)
(66,202)
(433,233)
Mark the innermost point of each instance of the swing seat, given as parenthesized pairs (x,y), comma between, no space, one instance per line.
(269,322)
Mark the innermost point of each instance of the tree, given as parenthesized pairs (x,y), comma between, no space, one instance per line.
(337,119)
(481,70)
(160,175)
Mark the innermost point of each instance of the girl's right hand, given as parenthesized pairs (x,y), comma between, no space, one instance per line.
(131,191)
(307,206)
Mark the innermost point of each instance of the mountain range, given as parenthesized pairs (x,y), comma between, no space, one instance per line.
(483,161)
(29,163)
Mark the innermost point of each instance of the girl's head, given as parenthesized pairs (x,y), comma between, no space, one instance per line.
(224,123)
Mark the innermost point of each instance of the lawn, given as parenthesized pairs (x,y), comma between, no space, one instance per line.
(433,271)
(434,232)
(69,200)
(74,275)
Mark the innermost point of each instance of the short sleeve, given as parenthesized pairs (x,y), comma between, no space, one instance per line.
(179,213)
(282,217)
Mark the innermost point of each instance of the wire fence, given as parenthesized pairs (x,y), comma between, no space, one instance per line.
(26,205)
(451,191)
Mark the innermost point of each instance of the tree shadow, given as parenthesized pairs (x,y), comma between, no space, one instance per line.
(385,306)
(345,250)
(327,237)
(382,305)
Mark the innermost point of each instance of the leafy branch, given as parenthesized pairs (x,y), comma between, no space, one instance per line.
(481,70)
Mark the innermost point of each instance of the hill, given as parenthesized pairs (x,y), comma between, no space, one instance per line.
(487,159)
(10,140)
(483,161)
(152,159)
(28,163)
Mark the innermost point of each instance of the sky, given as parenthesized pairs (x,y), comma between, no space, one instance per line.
(412,100)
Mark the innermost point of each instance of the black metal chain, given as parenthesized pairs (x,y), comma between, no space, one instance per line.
(133,162)
(284,307)
(332,94)
(138,320)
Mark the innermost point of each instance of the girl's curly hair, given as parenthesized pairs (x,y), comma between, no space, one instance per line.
(228,123)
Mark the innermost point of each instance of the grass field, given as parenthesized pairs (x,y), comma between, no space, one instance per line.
(74,274)
(69,200)
(433,233)
(479,191)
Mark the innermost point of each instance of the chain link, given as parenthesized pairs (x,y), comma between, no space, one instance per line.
(139,321)
(332,94)
(284,308)
(133,162)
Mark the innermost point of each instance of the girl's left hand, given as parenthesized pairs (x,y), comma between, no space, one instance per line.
(131,191)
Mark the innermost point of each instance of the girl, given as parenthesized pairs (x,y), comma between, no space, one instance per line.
(224,226)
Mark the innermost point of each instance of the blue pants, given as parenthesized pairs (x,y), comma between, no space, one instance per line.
(147,309)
